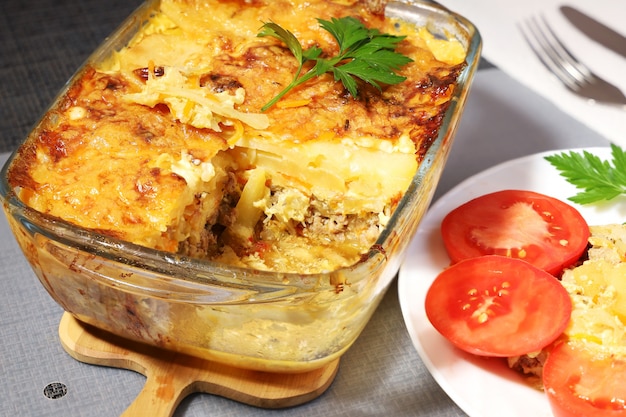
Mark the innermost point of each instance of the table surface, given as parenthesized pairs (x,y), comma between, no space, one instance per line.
(42,42)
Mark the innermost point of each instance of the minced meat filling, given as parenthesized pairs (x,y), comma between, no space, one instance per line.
(344,235)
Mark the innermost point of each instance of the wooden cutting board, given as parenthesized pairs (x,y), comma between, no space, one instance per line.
(171,376)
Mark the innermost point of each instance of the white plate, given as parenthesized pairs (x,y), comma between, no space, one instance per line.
(482,387)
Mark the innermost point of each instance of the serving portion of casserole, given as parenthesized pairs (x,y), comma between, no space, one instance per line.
(597,288)
(165,144)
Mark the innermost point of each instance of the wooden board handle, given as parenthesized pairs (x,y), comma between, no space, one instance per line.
(160,395)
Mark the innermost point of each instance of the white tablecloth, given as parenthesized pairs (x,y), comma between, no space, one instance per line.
(504,46)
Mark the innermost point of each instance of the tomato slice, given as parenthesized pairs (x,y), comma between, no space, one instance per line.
(540,229)
(498,306)
(581,383)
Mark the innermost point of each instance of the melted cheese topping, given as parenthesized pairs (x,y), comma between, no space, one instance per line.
(157,143)
(193,105)
(598,292)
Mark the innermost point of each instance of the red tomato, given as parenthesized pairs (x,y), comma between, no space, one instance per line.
(534,227)
(580,383)
(498,306)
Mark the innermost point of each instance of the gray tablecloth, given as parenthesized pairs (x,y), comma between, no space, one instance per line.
(41,43)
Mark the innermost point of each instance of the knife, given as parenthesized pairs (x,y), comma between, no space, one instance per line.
(595,30)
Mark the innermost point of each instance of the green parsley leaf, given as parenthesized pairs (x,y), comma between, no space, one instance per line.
(600,180)
(364,54)
(274,30)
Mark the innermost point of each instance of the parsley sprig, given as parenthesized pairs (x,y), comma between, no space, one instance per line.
(600,180)
(365,54)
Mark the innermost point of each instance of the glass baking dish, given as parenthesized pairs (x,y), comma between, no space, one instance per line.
(268,321)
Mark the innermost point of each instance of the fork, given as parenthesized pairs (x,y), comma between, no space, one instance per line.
(576,76)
